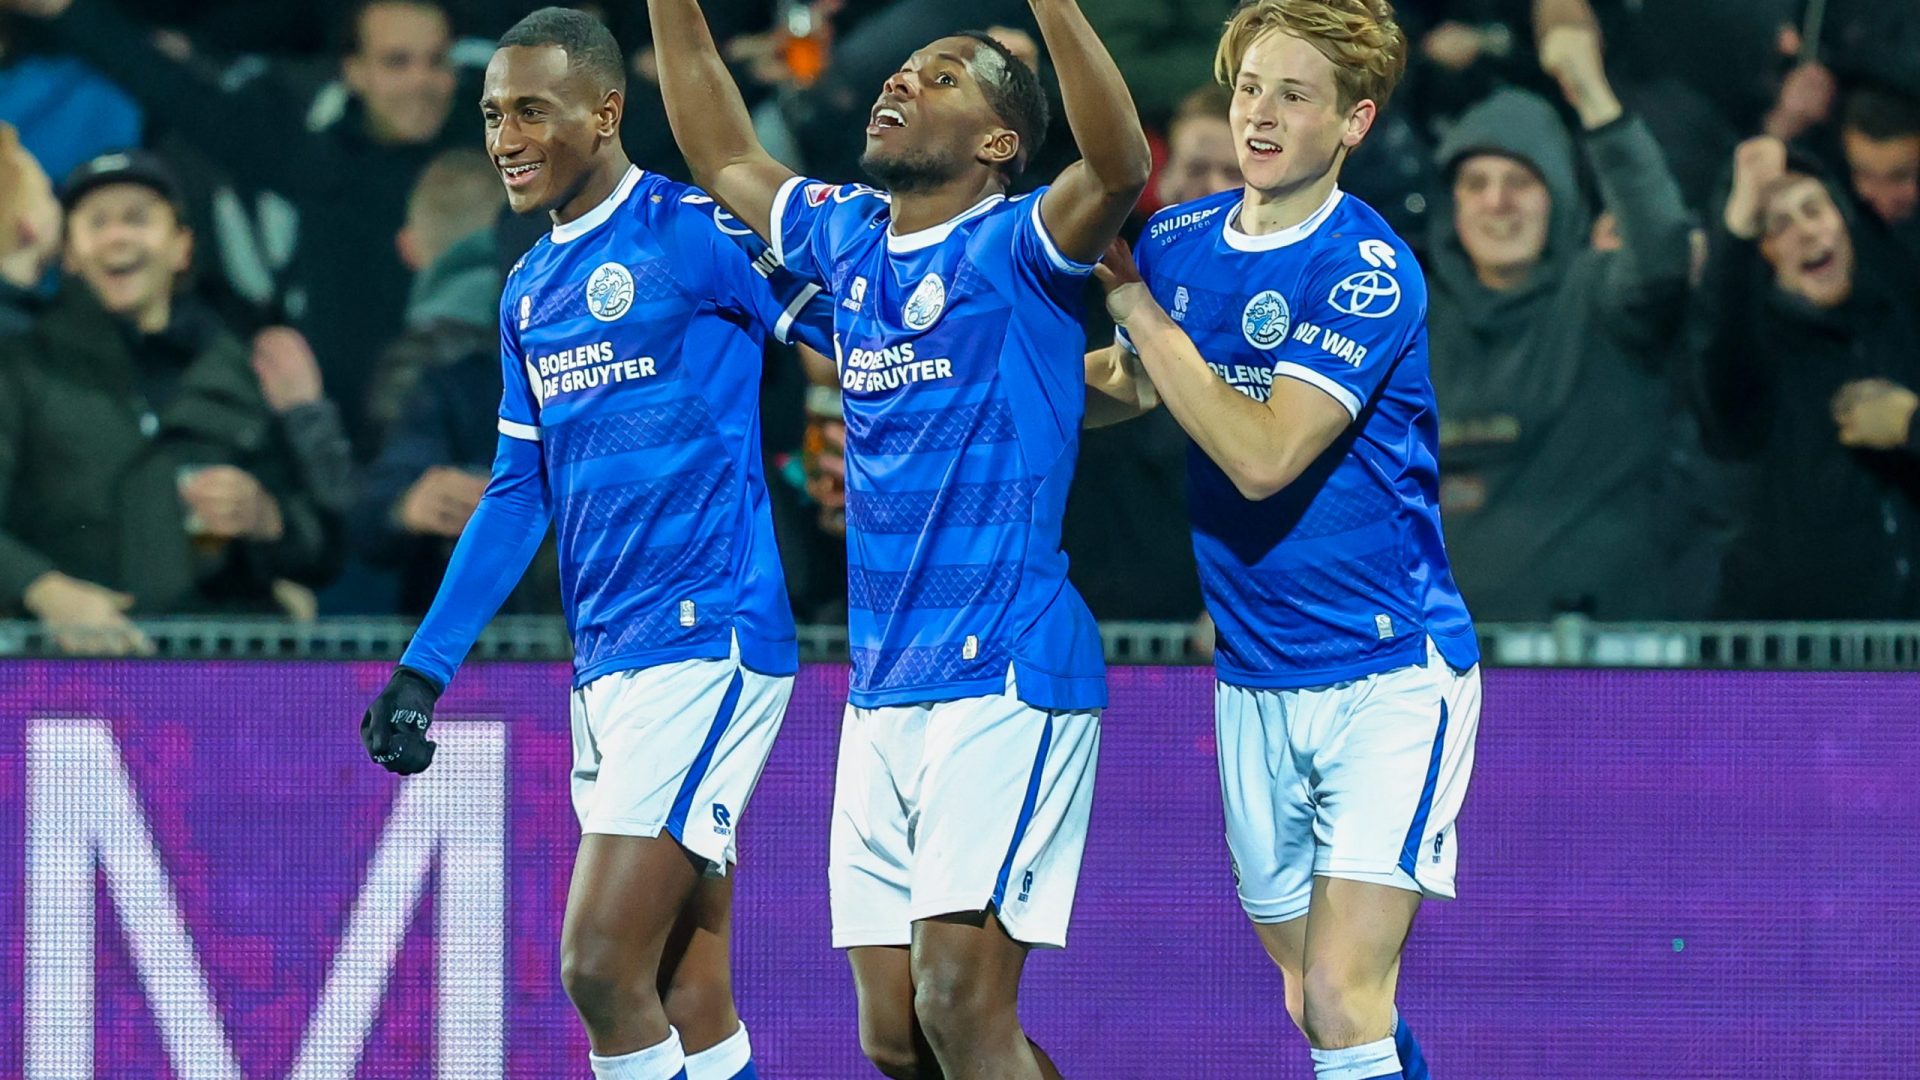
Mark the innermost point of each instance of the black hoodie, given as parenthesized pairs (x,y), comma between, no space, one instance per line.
(1555,396)
(1830,531)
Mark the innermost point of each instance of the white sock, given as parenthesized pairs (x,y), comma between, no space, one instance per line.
(1357,1062)
(723,1060)
(660,1062)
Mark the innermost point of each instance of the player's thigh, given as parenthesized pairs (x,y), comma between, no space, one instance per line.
(967,963)
(883,987)
(1006,795)
(1266,794)
(1355,933)
(1392,777)
(625,898)
(1286,945)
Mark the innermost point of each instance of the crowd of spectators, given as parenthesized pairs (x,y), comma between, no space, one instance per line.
(251,255)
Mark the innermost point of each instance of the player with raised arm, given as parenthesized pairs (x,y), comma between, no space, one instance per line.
(631,345)
(967,753)
(1284,326)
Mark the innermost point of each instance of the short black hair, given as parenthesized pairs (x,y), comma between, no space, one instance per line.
(588,43)
(350,40)
(1882,114)
(1013,91)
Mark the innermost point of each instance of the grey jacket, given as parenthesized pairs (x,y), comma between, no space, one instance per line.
(1555,396)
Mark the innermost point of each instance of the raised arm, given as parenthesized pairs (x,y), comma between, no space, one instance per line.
(709,118)
(1086,206)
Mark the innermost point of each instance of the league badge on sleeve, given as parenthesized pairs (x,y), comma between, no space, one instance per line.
(1266,320)
(923,308)
(609,292)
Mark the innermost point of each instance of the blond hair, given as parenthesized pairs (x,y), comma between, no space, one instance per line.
(1367,47)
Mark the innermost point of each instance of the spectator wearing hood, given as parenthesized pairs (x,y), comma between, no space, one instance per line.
(1549,356)
(1809,363)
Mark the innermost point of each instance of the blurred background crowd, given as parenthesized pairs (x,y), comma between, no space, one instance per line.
(251,255)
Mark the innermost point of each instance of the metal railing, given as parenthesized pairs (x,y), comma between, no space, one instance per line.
(1572,641)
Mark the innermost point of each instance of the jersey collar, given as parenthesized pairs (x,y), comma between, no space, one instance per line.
(900,244)
(1240,241)
(596,217)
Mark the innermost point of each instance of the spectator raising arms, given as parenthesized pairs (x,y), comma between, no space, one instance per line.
(1548,356)
(144,464)
(29,233)
(1811,352)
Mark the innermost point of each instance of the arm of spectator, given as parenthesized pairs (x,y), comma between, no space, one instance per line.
(709,118)
(290,382)
(1806,101)
(1084,209)
(402,496)
(1647,280)
(1733,384)
(487,563)
(189,97)
(284,530)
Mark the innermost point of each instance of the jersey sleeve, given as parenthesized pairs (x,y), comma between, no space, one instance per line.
(791,308)
(1037,257)
(808,218)
(1356,316)
(520,383)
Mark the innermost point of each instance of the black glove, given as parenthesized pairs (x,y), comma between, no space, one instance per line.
(394,729)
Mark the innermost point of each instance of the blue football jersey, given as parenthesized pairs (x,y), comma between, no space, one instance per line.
(960,353)
(1343,573)
(632,342)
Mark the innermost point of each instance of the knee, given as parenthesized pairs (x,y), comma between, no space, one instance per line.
(1336,1008)
(956,1012)
(599,990)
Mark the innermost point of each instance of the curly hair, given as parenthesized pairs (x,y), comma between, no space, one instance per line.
(1367,47)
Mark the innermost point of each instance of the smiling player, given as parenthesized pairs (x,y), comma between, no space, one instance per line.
(1284,326)
(631,342)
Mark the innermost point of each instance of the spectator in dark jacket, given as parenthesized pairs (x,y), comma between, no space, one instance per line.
(1880,137)
(1809,366)
(1550,359)
(141,467)
(348,181)
(29,233)
(438,392)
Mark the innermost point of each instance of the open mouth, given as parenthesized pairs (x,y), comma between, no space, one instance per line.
(885,118)
(1820,264)
(1262,150)
(521,174)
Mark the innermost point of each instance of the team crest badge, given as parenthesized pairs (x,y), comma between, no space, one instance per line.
(1266,320)
(609,292)
(929,299)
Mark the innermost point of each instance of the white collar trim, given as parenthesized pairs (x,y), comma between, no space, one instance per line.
(596,217)
(901,244)
(1240,241)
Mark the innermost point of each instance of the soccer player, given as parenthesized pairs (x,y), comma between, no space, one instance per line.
(967,752)
(631,340)
(1283,324)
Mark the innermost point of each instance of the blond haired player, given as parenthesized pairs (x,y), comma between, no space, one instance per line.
(1284,326)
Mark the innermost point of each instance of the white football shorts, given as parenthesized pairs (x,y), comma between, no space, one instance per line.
(676,748)
(1360,780)
(960,806)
